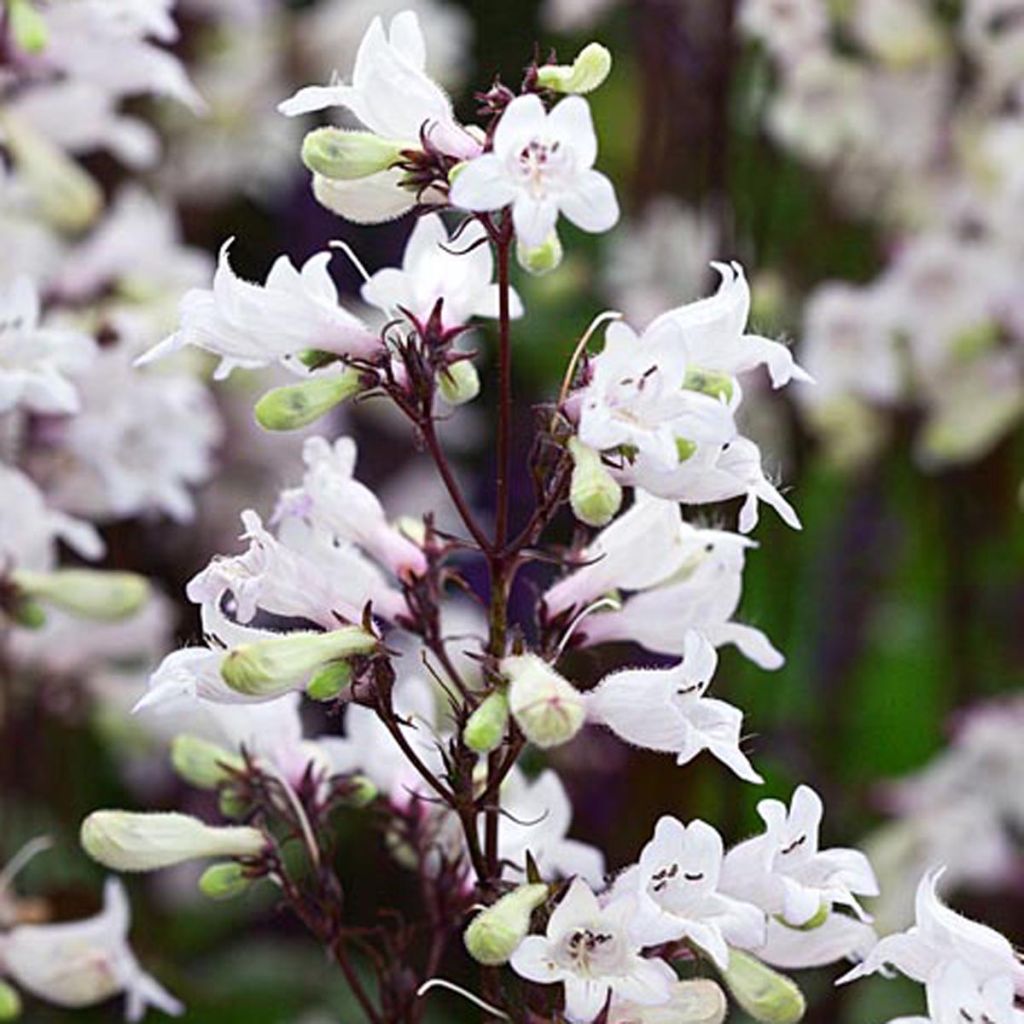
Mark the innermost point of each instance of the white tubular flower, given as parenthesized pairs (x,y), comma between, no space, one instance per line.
(462,280)
(785,873)
(29,529)
(838,937)
(636,399)
(588,950)
(36,361)
(786,28)
(350,510)
(273,577)
(956,996)
(250,325)
(147,841)
(542,164)
(702,596)
(538,816)
(666,710)
(675,885)
(713,333)
(938,937)
(82,963)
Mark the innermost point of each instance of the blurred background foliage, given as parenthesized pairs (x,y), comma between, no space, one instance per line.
(901,600)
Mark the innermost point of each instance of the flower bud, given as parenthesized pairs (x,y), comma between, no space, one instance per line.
(709,382)
(28,613)
(345,155)
(766,995)
(329,681)
(10,1002)
(590,68)
(31,35)
(268,668)
(89,593)
(543,258)
(699,1001)
(459,383)
(297,405)
(496,933)
(595,495)
(360,791)
(201,763)
(232,804)
(485,728)
(125,841)
(224,881)
(68,196)
(545,706)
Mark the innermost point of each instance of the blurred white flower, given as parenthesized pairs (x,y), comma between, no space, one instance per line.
(542,164)
(788,29)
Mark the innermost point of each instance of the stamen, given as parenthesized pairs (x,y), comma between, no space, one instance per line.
(452,987)
(604,602)
(570,370)
(337,243)
(21,860)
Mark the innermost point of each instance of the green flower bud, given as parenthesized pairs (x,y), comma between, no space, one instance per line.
(201,763)
(685,448)
(541,259)
(68,196)
(769,997)
(346,155)
(89,593)
(31,35)
(297,405)
(361,792)
(10,1002)
(545,705)
(709,382)
(224,881)
(231,804)
(495,933)
(271,667)
(125,841)
(590,68)
(485,728)
(329,681)
(595,495)
(28,613)
(459,383)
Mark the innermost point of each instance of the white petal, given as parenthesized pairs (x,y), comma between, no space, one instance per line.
(483,184)
(591,204)
(571,124)
(524,119)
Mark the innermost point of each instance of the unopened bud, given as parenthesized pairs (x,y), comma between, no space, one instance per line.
(125,841)
(345,155)
(496,933)
(88,593)
(329,681)
(699,1001)
(224,881)
(201,763)
(231,804)
(360,791)
(590,68)
(595,495)
(543,258)
(10,1002)
(459,383)
(28,613)
(297,405)
(766,995)
(485,728)
(545,706)
(30,34)
(709,382)
(268,668)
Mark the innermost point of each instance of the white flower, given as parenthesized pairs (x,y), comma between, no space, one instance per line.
(541,163)
(675,885)
(787,28)
(785,873)
(277,578)
(588,950)
(838,937)
(250,325)
(82,963)
(391,94)
(537,816)
(458,271)
(333,499)
(939,936)
(713,333)
(36,361)
(956,996)
(141,441)
(29,529)
(665,709)
(702,594)
(635,398)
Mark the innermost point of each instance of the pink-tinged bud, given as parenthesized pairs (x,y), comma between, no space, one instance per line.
(544,704)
